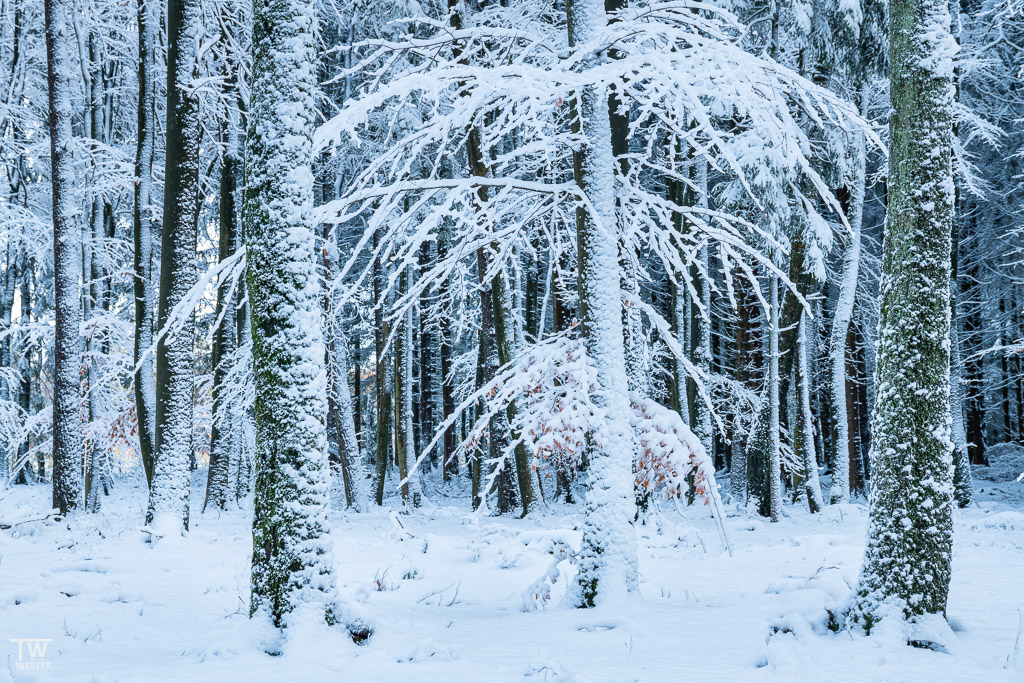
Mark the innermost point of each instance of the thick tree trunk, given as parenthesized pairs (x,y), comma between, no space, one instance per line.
(910,530)
(292,561)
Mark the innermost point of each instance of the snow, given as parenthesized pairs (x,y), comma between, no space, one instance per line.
(445,591)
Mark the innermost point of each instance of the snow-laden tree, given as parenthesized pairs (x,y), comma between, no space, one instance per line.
(292,555)
(910,534)
(546,149)
(608,556)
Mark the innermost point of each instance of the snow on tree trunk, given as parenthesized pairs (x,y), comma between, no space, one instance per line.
(223,430)
(353,472)
(963,480)
(145,386)
(840,490)
(383,383)
(169,493)
(292,560)
(429,383)
(504,348)
(803,429)
(405,454)
(608,554)
(910,532)
(497,310)
(67,265)
(774,447)
(759,439)
(700,324)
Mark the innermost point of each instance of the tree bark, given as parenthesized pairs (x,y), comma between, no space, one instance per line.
(169,493)
(222,436)
(608,554)
(67,266)
(292,561)
(910,529)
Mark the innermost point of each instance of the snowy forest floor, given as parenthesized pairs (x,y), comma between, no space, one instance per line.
(446,594)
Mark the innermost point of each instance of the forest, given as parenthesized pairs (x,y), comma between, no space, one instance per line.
(581,340)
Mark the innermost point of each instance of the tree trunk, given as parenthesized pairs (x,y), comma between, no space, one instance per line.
(503,335)
(145,388)
(803,428)
(451,464)
(773,397)
(426,360)
(222,436)
(67,266)
(169,494)
(910,529)
(840,490)
(383,388)
(292,561)
(608,553)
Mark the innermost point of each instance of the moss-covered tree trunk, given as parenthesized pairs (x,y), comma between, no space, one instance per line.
(910,532)
(292,560)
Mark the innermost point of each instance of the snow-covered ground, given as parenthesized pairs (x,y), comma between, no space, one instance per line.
(447,594)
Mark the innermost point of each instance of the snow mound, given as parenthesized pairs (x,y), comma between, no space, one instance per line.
(1005,463)
(1009,520)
